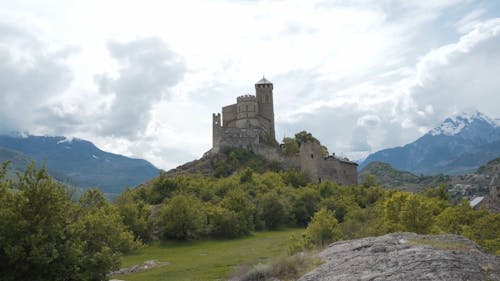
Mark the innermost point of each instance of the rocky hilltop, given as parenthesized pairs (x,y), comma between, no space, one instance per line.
(406,256)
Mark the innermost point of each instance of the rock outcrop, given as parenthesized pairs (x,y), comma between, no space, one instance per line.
(406,256)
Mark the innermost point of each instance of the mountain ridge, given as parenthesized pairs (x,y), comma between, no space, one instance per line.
(80,163)
(459,144)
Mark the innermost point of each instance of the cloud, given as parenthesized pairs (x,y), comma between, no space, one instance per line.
(148,70)
(30,75)
(459,76)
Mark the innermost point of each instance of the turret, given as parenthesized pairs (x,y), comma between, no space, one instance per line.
(246,106)
(264,94)
(216,130)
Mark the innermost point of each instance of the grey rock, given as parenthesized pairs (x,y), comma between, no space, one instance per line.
(406,256)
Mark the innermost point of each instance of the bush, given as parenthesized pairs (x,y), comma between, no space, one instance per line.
(323,228)
(183,218)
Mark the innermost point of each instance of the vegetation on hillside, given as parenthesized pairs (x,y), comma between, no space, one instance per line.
(241,203)
(491,166)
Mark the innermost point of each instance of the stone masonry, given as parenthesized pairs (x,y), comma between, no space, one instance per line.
(249,123)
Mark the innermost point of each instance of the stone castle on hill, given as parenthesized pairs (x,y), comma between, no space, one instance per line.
(249,123)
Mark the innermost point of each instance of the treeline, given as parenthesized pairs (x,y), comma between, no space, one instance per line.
(191,207)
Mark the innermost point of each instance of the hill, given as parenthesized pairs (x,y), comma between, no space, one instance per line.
(466,185)
(18,160)
(77,162)
(459,144)
(391,178)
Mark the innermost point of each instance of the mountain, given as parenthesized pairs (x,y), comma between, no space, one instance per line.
(459,144)
(76,162)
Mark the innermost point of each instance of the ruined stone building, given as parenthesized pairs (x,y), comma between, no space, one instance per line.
(249,123)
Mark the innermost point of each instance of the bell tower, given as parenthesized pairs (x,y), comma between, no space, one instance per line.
(264,94)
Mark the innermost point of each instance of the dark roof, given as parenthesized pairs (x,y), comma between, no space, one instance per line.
(263,81)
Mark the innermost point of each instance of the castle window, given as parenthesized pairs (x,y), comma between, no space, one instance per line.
(246,106)
(312,156)
(267,98)
(319,180)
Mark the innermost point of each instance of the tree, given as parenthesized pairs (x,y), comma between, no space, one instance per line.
(290,146)
(305,203)
(239,202)
(304,136)
(323,228)
(135,213)
(246,175)
(223,222)
(369,180)
(273,210)
(45,236)
(183,218)
(416,214)
(100,225)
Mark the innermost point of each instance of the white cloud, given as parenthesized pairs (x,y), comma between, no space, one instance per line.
(143,77)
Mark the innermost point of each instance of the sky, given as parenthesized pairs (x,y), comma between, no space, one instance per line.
(142,78)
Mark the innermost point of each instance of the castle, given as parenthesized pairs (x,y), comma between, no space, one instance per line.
(249,123)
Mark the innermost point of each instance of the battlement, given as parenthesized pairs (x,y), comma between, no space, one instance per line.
(246,98)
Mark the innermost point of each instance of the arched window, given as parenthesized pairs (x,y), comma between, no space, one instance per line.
(267,98)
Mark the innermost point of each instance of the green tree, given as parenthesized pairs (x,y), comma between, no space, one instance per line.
(45,236)
(290,146)
(392,210)
(416,214)
(223,222)
(273,210)
(135,213)
(246,175)
(239,202)
(369,180)
(305,202)
(304,136)
(323,228)
(295,178)
(183,218)
(100,225)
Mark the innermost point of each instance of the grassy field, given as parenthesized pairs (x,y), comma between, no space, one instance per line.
(207,259)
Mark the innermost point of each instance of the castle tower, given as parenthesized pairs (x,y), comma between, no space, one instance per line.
(246,112)
(216,131)
(264,94)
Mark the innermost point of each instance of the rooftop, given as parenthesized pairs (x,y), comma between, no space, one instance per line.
(263,81)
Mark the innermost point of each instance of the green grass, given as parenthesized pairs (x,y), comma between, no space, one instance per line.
(207,259)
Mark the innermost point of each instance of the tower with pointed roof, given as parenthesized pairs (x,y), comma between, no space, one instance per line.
(264,94)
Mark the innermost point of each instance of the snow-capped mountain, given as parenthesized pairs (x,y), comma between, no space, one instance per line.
(459,144)
(454,125)
(76,162)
